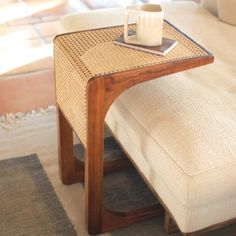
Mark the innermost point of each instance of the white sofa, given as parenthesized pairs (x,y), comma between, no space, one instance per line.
(180,130)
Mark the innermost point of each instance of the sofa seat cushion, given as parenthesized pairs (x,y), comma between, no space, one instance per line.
(180,130)
(182,138)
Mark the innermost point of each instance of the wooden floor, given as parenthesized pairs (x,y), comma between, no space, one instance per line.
(27,28)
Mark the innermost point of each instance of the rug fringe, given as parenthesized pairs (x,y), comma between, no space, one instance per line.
(7,120)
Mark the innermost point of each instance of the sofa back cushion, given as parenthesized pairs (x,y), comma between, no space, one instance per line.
(227,11)
(211,6)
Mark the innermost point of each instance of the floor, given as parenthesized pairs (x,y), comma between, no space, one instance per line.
(27,29)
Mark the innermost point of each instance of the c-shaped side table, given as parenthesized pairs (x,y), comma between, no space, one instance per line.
(91,72)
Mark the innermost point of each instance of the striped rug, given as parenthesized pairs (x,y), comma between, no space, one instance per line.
(28,203)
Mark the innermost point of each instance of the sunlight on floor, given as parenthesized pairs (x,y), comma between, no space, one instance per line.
(12,39)
(13,11)
(109,3)
(25,57)
(23,9)
(44,5)
(26,33)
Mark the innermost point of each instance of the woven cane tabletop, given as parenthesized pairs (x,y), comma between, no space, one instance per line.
(81,56)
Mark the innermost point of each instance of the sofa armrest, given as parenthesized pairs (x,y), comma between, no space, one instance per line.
(79,21)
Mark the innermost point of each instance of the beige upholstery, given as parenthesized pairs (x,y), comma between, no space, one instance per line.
(211,6)
(227,11)
(180,130)
(96,19)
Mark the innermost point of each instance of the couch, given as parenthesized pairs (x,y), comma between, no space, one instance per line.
(180,130)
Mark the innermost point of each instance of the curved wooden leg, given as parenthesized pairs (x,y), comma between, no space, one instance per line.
(99,219)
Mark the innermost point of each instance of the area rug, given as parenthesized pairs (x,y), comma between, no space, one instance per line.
(28,203)
(37,134)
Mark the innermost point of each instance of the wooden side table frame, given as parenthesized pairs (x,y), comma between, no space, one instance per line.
(101,90)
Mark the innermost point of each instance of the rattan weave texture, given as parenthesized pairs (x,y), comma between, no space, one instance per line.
(81,56)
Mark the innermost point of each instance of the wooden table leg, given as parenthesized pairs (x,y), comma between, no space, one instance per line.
(94,158)
(70,170)
(98,218)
